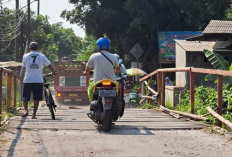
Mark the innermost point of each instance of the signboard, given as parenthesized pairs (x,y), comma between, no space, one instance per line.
(167,48)
(62,81)
(83,81)
(72,81)
(137,51)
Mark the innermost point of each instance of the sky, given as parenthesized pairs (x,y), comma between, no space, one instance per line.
(53,9)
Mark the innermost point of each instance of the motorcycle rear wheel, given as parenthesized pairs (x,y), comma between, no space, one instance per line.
(107,120)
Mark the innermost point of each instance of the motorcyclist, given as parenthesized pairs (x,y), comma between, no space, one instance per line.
(122,67)
(103,63)
(123,73)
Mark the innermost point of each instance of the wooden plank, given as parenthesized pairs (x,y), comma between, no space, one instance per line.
(163,88)
(94,127)
(219,117)
(173,69)
(192,91)
(0,92)
(212,71)
(219,99)
(147,76)
(195,117)
(15,91)
(159,81)
(7,71)
(8,100)
(150,89)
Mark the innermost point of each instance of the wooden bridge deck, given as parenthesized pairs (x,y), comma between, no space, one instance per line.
(76,119)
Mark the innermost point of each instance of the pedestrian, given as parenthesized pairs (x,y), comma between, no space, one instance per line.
(168,82)
(33,80)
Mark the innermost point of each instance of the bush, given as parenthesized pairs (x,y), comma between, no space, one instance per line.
(204,97)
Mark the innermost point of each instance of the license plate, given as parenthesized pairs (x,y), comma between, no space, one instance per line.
(107,93)
(72,94)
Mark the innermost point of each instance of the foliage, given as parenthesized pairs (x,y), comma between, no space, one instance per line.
(127,22)
(218,62)
(54,40)
(148,106)
(88,48)
(204,97)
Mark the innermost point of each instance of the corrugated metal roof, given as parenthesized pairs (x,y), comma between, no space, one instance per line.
(195,46)
(218,26)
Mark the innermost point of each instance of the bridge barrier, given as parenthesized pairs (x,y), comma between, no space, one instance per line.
(161,73)
(9,82)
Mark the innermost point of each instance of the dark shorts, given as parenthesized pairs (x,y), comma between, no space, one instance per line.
(35,88)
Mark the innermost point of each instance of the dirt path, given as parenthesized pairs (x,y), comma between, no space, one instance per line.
(125,142)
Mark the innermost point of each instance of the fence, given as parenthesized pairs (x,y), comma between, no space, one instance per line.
(161,84)
(12,82)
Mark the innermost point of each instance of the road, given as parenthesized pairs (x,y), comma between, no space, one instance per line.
(140,133)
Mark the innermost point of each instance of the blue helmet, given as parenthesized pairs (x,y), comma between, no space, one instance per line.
(103,44)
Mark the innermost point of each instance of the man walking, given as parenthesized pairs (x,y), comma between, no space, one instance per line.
(33,81)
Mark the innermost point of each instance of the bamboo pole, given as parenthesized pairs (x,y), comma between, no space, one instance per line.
(148,97)
(150,81)
(192,116)
(9,83)
(219,117)
(192,91)
(219,106)
(150,89)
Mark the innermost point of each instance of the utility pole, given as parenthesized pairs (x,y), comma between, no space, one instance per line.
(29,20)
(16,33)
(38,7)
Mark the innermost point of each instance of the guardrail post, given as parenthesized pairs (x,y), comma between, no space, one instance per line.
(8,99)
(163,88)
(219,101)
(159,81)
(0,94)
(142,88)
(15,91)
(150,82)
(192,91)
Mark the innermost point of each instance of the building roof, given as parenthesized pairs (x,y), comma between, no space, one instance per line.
(218,27)
(195,46)
(10,64)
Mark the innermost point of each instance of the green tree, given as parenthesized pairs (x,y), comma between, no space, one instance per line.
(88,48)
(127,22)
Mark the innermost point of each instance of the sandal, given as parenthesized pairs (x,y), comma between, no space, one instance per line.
(25,114)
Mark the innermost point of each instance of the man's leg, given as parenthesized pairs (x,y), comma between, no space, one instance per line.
(37,96)
(36,105)
(25,105)
(90,90)
(26,97)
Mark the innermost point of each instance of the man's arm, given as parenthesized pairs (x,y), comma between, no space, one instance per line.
(52,69)
(87,71)
(117,70)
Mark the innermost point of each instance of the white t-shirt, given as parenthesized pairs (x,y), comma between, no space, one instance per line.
(33,62)
(103,69)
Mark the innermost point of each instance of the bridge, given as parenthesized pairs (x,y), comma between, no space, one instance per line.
(140,132)
(75,117)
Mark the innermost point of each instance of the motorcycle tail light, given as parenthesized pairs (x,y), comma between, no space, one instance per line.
(107,101)
(106,83)
(58,94)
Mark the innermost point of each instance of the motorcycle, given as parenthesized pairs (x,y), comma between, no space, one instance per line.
(107,105)
(133,100)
